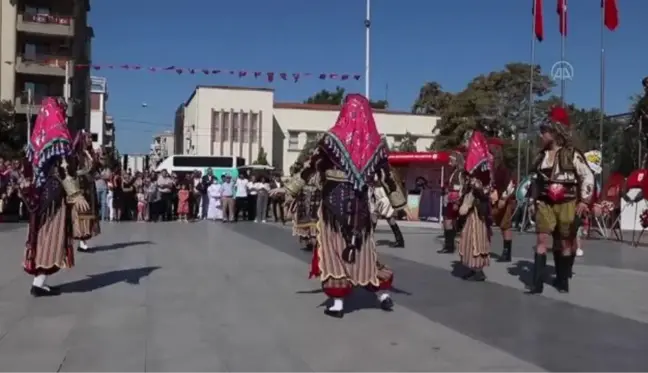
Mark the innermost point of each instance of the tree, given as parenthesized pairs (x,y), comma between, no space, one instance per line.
(407,144)
(12,133)
(496,103)
(432,100)
(326,97)
(262,157)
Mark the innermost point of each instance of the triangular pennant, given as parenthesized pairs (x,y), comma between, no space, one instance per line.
(270,77)
(356,77)
(169,68)
(205,71)
(344,77)
(257,74)
(242,74)
(179,71)
(295,77)
(283,76)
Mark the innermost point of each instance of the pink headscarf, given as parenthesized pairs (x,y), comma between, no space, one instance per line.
(354,141)
(50,137)
(478,156)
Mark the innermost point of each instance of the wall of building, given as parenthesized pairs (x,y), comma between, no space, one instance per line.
(282,129)
(210,130)
(8,12)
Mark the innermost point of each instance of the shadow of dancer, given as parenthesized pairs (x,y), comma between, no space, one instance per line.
(93,282)
(116,246)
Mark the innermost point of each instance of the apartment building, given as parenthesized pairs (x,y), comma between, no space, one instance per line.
(163,146)
(40,43)
(102,125)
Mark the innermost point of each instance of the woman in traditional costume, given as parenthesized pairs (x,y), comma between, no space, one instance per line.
(56,194)
(348,156)
(85,225)
(474,242)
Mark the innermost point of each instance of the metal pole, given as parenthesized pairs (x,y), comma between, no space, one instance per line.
(30,100)
(602,87)
(367,47)
(531,100)
(66,84)
(563,38)
(640,164)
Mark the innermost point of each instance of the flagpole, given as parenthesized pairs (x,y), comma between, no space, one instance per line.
(531,100)
(563,23)
(367,47)
(602,87)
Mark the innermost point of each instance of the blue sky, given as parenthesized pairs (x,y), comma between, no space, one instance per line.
(413,41)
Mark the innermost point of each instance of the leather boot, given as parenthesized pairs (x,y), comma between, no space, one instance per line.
(400,241)
(448,242)
(506,256)
(562,274)
(539,263)
(572,259)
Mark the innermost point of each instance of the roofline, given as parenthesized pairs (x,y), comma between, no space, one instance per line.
(324,107)
(233,88)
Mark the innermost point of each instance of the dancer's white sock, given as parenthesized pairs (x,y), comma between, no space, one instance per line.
(39,281)
(383,295)
(83,245)
(338,305)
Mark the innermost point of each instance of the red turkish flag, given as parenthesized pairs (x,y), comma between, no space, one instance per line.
(561,9)
(538,20)
(610,14)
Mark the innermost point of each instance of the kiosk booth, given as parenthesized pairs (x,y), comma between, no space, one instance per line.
(423,175)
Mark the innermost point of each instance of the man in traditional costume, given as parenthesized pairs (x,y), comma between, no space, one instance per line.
(503,198)
(451,199)
(562,191)
(381,208)
(85,224)
(348,156)
(56,194)
(305,207)
(474,242)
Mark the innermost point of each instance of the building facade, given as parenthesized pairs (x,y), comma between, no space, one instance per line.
(163,146)
(102,126)
(40,43)
(234,121)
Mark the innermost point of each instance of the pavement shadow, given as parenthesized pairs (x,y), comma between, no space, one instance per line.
(93,282)
(383,242)
(523,270)
(116,246)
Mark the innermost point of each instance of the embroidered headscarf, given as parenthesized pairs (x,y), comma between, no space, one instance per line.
(558,122)
(50,138)
(478,158)
(354,143)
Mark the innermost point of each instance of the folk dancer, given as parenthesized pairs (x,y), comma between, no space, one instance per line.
(348,155)
(562,191)
(503,199)
(474,241)
(56,194)
(85,225)
(451,199)
(381,208)
(305,206)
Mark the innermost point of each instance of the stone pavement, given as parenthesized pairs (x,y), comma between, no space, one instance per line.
(213,297)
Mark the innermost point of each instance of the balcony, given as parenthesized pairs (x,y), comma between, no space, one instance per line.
(44,24)
(109,132)
(42,65)
(22,106)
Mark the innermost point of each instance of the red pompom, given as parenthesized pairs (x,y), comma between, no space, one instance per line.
(558,114)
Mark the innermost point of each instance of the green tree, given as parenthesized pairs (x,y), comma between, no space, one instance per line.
(432,100)
(13,134)
(407,144)
(326,97)
(496,103)
(262,157)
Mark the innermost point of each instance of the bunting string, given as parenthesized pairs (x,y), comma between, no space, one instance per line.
(269,76)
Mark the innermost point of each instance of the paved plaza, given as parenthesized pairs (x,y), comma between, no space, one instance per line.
(214,297)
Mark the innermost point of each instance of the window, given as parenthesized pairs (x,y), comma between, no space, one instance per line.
(293,140)
(254,127)
(216,126)
(95,101)
(240,162)
(94,136)
(245,127)
(203,162)
(236,126)
(225,126)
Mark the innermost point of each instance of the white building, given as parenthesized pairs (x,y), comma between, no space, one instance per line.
(102,126)
(162,146)
(236,121)
(135,162)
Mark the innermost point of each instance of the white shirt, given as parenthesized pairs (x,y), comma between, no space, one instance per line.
(241,188)
(252,188)
(261,186)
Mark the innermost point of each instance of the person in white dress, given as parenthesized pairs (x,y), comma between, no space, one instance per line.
(215,210)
